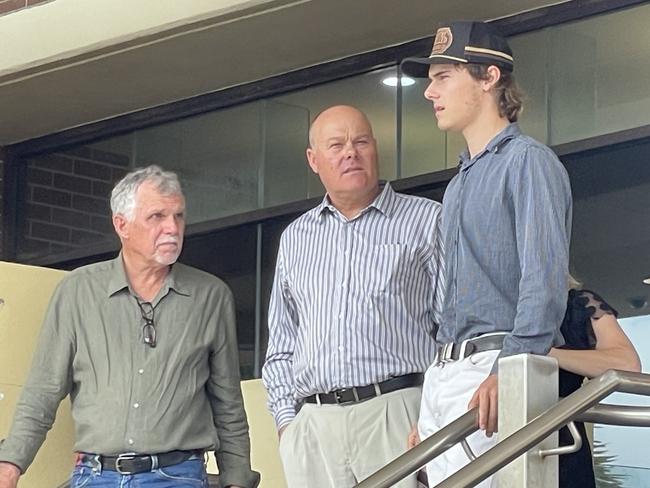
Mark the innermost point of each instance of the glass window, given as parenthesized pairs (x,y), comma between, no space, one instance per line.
(366,92)
(216,155)
(610,254)
(231,255)
(586,78)
(531,75)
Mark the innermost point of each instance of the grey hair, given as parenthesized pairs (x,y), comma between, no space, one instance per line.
(123,196)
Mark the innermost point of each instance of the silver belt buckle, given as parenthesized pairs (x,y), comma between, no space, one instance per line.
(129,456)
(463,349)
(444,353)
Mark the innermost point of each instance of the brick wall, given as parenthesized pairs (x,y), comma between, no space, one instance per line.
(7,6)
(66,200)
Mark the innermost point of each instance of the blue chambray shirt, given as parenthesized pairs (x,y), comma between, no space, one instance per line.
(506,226)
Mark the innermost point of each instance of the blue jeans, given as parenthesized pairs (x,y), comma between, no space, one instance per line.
(188,474)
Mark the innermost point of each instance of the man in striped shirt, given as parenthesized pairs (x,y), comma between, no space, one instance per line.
(353,313)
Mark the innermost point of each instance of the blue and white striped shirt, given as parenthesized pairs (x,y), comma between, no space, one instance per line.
(354,301)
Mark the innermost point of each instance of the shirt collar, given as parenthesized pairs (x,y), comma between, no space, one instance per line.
(509,132)
(117,276)
(175,279)
(384,202)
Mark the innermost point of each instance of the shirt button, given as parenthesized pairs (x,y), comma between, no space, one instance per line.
(140,371)
(136,405)
(131,442)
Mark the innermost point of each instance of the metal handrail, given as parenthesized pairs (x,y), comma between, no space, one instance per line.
(626,415)
(425,451)
(573,407)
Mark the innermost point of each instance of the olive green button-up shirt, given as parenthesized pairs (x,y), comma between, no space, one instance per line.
(127,396)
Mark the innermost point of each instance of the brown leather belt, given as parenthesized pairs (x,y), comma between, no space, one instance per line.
(359,393)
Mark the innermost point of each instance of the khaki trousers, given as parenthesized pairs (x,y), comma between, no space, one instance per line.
(333,446)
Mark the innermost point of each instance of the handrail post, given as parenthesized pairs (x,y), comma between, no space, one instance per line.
(528,385)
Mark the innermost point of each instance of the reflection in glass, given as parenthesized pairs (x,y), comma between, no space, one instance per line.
(586,78)
(216,155)
(610,253)
(531,74)
(369,94)
(625,448)
(284,171)
(423,144)
(230,255)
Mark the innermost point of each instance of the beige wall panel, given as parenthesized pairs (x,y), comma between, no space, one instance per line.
(265,456)
(25,292)
(53,463)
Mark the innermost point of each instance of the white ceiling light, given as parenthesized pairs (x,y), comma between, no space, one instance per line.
(647,281)
(392,81)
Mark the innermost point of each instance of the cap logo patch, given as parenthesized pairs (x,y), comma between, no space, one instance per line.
(442,41)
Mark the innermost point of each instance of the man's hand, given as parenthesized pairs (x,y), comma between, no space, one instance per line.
(280,432)
(413,438)
(9,475)
(486,399)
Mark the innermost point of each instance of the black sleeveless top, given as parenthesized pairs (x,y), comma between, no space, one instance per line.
(576,470)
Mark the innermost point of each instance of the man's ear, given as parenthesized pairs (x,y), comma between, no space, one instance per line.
(311,159)
(121,226)
(494,75)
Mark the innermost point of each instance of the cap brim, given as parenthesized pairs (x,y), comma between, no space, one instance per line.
(416,67)
(419,67)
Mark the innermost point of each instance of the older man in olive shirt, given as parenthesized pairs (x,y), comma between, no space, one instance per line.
(147,351)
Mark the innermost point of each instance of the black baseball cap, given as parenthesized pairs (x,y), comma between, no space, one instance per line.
(463,42)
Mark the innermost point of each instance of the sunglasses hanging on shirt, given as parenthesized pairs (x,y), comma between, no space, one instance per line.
(149,328)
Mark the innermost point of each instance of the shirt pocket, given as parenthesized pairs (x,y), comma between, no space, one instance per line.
(385,268)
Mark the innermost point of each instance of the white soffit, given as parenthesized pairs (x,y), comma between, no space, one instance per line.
(68,62)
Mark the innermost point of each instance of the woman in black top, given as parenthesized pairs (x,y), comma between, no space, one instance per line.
(595,343)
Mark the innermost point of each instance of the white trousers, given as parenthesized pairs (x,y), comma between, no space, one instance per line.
(332,446)
(447,390)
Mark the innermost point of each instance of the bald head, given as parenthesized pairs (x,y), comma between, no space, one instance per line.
(343,153)
(334,115)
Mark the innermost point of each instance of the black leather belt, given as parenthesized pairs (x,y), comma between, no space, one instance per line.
(359,393)
(137,463)
(454,351)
